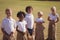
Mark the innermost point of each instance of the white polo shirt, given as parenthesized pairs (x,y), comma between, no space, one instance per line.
(30,20)
(9,25)
(22,25)
(53,17)
(39,19)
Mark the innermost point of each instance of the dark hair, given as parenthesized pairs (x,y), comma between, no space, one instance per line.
(20,13)
(28,7)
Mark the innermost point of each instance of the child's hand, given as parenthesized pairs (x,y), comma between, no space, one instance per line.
(40,22)
(11,34)
(23,33)
(11,37)
(52,21)
(43,21)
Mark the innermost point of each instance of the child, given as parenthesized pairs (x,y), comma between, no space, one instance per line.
(21,26)
(8,26)
(53,18)
(39,34)
(30,21)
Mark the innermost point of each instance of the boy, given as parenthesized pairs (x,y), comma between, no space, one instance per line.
(8,26)
(30,21)
(21,26)
(39,34)
(53,18)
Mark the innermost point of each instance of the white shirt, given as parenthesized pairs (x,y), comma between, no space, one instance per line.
(53,17)
(39,19)
(8,25)
(30,20)
(22,26)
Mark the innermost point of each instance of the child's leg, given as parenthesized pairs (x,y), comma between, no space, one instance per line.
(25,37)
(34,34)
(30,34)
(12,37)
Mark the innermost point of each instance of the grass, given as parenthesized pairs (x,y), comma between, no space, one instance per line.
(17,5)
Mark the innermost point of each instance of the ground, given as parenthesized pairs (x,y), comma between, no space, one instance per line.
(17,5)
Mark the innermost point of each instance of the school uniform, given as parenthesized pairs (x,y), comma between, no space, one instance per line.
(39,34)
(30,22)
(52,27)
(21,30)
(9,26)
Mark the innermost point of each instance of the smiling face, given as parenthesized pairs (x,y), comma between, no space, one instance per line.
(8,12)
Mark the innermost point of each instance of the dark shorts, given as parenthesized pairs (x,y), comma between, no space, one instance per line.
(30,31)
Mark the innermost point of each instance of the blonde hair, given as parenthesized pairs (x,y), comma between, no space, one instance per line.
(40,12)
(53,8)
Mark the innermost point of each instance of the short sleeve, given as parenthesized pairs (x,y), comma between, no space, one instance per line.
(36,20)
(26,19)
(57,15)
(16,24)
(2,25)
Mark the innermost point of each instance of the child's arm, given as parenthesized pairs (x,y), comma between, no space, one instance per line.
(52,21)
(17,28)
(43,21)
(11,34)
(33,29)
(2,29)
(26,28)
(57,20)
(49,19)
(40,22)
(36,22)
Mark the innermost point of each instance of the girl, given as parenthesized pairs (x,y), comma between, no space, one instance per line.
(21,26)
(53,18)
(39,27)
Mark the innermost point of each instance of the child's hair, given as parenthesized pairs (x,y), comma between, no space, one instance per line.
(20,13)
(52,8)
(40,12)
(28,7)
(8,9)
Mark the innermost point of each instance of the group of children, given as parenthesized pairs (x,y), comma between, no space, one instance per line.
(25,25)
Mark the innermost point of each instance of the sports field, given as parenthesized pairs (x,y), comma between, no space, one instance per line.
(17,5)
